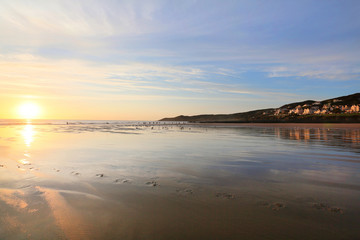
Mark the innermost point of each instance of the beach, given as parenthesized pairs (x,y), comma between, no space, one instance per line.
(180,120)
(179,181)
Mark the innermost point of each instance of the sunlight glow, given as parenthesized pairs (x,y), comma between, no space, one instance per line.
(28,134)
(28,110)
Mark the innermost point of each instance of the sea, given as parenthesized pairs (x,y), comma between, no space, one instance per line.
(83,179)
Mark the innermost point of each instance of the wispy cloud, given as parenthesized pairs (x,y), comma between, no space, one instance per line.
(328,72)
(64,77)
(80,18)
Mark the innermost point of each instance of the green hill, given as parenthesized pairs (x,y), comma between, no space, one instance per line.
(343,109)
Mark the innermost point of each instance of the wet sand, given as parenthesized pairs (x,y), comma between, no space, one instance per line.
(179,182)
(103,211)
(287,125)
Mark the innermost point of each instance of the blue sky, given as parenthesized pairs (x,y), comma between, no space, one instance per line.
(151,59)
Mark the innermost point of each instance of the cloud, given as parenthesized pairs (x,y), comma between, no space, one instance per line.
(161,33)
(79,18)
(34,73)
(331,72)
(22,74)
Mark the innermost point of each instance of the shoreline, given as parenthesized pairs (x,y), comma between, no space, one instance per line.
(283,125)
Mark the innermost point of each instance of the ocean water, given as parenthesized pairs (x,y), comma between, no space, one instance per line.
(151,180)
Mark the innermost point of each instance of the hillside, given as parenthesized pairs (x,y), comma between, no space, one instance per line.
(341,109)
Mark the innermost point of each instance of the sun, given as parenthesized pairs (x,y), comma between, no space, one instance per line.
(29,110)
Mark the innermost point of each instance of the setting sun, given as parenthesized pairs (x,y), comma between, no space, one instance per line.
(28,110)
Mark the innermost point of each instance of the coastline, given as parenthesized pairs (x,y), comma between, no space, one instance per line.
(286,125)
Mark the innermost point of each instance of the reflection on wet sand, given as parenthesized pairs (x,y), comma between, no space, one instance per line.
(13,224)
(28,133)
(179,182)
(13,198)
(66,217)
(349,137)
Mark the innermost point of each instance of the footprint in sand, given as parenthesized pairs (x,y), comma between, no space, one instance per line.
(184,191)
(75,173)
(225,195)
(326,207)
(100,175)
(122,180)
(336,210)
(152,184)
(276,206)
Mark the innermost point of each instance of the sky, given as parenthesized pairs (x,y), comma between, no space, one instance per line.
(149,59)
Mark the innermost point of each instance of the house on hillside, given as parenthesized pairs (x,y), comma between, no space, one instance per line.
(306,111)
(345,108)
(327,107)
(317,111)
(280,111)
(311,110)
(297,110)
(354,109)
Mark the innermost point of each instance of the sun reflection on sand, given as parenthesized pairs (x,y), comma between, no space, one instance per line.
(24,162)
(28,133)
(66,217)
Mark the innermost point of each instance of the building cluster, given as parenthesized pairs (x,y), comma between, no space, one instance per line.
(317,108)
